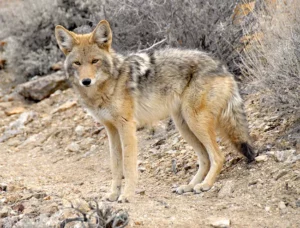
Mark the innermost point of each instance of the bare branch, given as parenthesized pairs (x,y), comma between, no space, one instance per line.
(154,45)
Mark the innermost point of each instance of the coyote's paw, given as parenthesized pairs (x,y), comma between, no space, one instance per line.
(184,188)
(202,187)
(113,196)
(124,199)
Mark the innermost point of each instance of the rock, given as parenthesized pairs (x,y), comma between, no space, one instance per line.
(4,212)
(261,158)
(65,106)
(33,139)
(138,223)
(287,156)
(73,147)
(226,190)
(142,169)
(81,205)
(3,187)
(15,110)
(94,149)
(141,192)
(16,127)
(19,208)
(220,223)
(79,130)
(3,201)
(24,119)
(43,87)
(25,222)
(281,205)
(49,209)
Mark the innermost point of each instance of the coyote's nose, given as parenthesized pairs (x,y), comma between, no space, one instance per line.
(86,81)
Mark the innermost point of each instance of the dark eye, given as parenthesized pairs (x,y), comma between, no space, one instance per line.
(77,63)
(95,61)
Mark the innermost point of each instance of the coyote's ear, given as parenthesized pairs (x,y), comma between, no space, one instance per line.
(65,39)
(102,35)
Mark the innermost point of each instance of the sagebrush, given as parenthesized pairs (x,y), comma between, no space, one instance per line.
(29,28)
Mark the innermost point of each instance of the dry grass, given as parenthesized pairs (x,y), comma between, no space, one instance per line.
(137,24)
(273,63)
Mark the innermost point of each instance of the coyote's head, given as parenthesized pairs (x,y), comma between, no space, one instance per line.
(88,58)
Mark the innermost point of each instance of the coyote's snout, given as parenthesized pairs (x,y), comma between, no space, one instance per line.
(197,91)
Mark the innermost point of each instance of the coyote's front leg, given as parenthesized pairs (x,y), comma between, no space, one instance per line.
(116,162)
(127,132)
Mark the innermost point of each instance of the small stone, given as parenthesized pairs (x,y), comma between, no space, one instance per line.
(15,110)
(4,212)
(79,130)
(65,106)
(3,187)
(3,201)
(267,208)
(261,158)
(281,205)
(220,223)
(81,205)
(47,198)
(138,223)
(141,192)
(298,203)
(142,169)
(73,147)
(281,156)
(19,208)
(49,209)
(226,190)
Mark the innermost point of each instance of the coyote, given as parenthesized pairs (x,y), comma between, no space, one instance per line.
(119,91)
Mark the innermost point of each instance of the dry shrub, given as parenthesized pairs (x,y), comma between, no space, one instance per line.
(273,63)
(137,24)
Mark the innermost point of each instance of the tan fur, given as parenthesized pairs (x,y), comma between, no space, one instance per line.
(196,90)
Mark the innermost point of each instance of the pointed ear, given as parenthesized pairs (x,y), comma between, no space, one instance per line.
(65,39)
(102,35)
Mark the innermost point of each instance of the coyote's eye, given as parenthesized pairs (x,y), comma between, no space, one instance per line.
(77,63)
(95,61)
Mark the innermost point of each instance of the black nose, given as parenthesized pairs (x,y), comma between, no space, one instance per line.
(86,81)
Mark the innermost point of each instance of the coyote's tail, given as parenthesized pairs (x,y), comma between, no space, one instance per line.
(234,125)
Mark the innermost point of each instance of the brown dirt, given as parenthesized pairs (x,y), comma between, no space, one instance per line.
(42,172)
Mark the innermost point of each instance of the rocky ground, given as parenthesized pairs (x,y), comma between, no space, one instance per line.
(53,155)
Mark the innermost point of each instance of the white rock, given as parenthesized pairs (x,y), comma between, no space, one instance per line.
(79,130)
(261,158)
(220,223)
(73,147)
(281,205)
(4,212)
(288,156)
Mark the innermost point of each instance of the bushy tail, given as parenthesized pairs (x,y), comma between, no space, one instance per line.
(235,127)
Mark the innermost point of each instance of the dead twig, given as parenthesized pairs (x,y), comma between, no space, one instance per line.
(153,46)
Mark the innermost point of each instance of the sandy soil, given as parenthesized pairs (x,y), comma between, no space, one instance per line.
(60,156)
